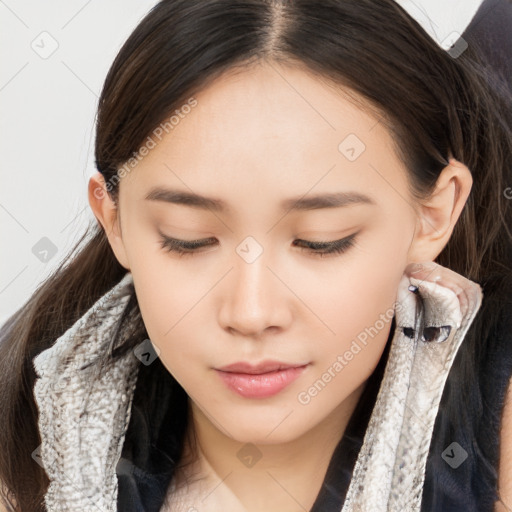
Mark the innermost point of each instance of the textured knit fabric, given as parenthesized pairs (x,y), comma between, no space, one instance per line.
(85,406)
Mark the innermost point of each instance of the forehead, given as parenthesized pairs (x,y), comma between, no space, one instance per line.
(280,131)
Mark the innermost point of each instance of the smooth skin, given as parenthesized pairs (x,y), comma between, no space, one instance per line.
(256,138)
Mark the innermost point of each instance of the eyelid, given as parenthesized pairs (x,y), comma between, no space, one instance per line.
(315,248)
(328,242)
(200,242)
(331,247)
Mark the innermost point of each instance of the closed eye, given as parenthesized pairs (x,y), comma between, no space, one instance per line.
(190,247)
(333,247)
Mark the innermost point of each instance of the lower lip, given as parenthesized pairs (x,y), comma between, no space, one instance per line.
(262,385)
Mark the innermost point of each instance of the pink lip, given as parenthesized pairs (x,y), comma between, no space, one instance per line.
(259,384)
(266,366)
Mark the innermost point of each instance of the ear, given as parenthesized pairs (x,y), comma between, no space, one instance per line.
(438,214)
(107,214)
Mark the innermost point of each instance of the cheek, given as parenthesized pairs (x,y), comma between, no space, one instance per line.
(175,310)
(352,295)
(357,309)
(360,320)
(167,302)
(164,291)
(167,310)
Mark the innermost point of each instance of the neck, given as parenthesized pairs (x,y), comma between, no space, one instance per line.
(262,476)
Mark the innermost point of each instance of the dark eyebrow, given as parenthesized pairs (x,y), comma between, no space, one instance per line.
(331,200)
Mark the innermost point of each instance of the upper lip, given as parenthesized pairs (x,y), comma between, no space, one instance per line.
(263,367)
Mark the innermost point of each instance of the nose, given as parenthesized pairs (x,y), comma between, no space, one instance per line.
(255,301)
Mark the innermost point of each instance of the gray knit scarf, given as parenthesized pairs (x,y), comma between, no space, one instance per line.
(84,406)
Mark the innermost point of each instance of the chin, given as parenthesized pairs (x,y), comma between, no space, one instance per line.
(264,432)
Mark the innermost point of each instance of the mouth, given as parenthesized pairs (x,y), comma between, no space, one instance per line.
(267,366)
(260,382)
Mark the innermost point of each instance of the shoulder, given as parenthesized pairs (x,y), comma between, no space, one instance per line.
(505,466)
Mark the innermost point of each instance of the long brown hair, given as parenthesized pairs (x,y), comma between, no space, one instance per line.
(433,104)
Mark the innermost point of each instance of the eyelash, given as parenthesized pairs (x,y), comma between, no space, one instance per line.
(189,247)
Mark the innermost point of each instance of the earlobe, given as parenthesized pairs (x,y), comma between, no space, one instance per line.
(107,214)
(438,214)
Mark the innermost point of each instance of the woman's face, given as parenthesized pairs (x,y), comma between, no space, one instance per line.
(257,142)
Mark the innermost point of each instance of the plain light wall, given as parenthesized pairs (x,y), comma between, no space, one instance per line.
(54,58)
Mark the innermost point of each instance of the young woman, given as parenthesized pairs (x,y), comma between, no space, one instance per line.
(297,293)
